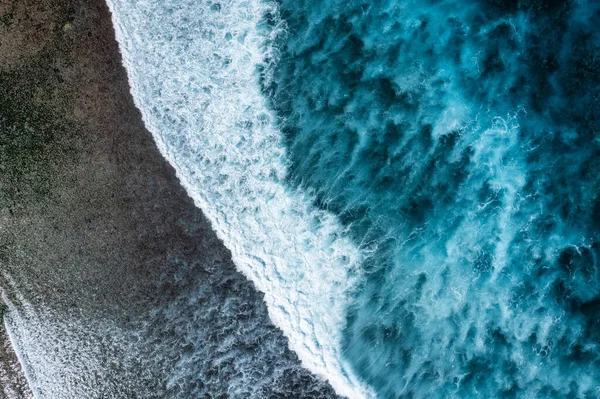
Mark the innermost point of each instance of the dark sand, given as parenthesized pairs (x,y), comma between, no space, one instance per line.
(115,280)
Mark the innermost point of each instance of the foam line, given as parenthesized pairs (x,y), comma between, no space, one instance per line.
(193,70)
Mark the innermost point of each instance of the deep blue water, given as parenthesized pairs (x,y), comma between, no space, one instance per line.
(459,144)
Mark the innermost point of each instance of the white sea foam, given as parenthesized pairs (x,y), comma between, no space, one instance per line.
(193,70)
(15,318)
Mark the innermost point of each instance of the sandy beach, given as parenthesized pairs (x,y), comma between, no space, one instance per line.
(116,285)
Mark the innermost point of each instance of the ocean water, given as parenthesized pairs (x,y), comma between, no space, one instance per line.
(194,70)
(414,185)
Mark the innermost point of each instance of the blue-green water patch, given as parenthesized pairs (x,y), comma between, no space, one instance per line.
(459,144)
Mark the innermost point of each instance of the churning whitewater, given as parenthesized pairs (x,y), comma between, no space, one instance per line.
(193,69)
(412,184)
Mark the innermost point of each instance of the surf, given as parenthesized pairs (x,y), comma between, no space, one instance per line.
(194,71)
(456,143)
(410,184)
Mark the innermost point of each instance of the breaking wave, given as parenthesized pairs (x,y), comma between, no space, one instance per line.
(413,185)
(194,70)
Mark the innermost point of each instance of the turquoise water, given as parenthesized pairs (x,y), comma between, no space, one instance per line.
(458,142)
(413,185)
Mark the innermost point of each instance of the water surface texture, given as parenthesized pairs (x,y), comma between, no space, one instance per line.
(414,185)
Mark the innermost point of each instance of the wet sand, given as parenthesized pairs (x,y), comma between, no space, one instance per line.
(115,283)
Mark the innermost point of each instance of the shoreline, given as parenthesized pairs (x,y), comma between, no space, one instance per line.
(13,381)
(114,277)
